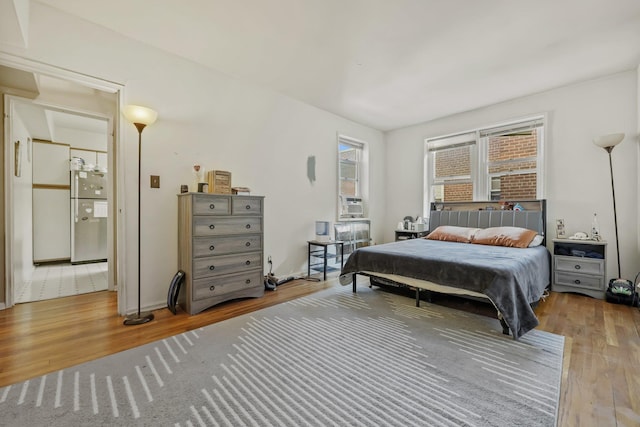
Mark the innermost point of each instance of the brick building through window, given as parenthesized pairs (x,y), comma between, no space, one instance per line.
(501,163)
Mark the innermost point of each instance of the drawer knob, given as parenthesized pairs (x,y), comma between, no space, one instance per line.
(212,288)
(577,281)
(248,262)
(247,244)
(211,247)
(577,267)
(212,267)
(212,206)
(247,281)
(248,226)
(248,207)
(212,226)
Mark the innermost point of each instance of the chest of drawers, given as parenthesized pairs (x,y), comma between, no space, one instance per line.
(579,266)
(220,248)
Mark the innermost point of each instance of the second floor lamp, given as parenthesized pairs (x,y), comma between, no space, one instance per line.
(141,117)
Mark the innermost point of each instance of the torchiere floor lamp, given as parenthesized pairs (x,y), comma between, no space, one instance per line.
(608,142)
(140,117)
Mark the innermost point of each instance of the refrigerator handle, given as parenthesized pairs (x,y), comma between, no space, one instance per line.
(75,198)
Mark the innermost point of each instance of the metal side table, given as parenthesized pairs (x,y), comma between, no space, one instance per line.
(319,250)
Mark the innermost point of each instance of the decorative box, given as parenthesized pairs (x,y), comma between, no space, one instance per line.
(219,182)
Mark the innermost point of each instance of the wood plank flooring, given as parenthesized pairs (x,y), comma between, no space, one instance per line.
(600,385)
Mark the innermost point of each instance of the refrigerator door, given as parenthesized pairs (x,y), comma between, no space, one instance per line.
(88,185)
(88,230)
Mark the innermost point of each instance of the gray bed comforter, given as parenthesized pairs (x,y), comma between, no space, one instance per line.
(512,278)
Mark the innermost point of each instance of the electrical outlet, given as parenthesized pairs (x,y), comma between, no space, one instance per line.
(155,181)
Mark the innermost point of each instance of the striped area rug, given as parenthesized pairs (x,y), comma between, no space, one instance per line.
(333,358)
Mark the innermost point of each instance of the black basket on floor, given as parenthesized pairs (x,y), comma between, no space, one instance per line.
(622,291)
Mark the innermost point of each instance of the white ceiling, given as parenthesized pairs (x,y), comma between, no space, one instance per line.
(387,63)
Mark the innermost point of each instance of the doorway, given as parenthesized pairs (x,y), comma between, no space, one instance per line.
(69,110)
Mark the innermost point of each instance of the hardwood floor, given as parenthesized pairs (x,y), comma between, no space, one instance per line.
(600,384)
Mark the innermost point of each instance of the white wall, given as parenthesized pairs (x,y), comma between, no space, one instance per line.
(263,138)
(577,172)
(82,139)
(22,202)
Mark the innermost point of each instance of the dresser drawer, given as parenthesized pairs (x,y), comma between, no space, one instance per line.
(579,280)
(211,226)
(220,285)
(207,246)
(246,206)
(226,264)
(211,205)
(579,265)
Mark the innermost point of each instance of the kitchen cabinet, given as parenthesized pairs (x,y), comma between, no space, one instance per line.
(50,163)
(101,160)
(93,157)
(51,202)
(51,225)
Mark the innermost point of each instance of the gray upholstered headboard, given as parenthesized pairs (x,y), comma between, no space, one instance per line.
(485,214)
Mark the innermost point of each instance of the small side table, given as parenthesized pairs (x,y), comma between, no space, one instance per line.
(580,266)
(323,254)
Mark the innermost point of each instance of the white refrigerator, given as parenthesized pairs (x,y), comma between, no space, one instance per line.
(88,216)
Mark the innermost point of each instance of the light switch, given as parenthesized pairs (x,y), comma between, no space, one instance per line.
(155,181)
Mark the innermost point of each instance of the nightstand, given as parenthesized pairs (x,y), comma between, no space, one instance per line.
(579,266)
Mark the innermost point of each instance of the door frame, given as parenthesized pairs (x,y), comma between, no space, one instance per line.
(115,160)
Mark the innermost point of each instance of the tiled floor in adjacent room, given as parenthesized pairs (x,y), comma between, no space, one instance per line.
(62,280)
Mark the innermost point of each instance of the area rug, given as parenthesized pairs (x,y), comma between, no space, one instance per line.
(333,358)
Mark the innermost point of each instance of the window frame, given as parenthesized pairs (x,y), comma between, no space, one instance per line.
(478,139)
(360,179)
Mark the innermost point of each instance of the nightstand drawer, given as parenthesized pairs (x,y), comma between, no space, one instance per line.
(579,280)
(579,265)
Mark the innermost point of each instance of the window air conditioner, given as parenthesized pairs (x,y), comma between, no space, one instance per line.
(352,206)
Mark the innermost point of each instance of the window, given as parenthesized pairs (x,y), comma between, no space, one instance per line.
(494,163)
(351,195)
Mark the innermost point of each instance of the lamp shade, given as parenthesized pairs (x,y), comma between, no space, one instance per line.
(607,141)
(139,114)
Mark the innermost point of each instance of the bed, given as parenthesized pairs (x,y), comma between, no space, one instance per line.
(513,279)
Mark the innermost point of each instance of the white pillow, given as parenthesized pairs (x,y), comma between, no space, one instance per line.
(537,241)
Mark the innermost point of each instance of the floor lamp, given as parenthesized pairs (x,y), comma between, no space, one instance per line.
(608,142)
(140,117)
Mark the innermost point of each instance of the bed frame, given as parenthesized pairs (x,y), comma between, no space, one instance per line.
(478,215)
(490,214)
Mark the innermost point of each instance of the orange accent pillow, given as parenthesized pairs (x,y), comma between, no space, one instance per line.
(513,237)
(452,233)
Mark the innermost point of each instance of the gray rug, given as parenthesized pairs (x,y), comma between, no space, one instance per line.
(332,358)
